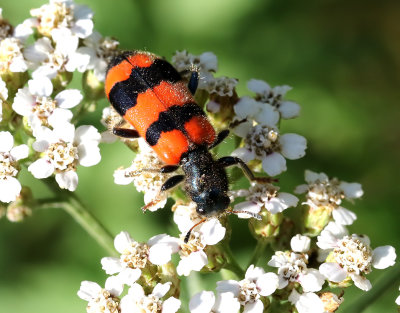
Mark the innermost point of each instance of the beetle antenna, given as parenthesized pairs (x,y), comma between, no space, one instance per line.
(190,230)
(255,215)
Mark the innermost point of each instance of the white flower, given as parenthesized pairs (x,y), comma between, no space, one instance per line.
(49,61)
(205,302)
(265,196)
(266,144)
(145,180)
(64,15)
(274,97)
(292,266)
(248,291)
(62,150)
(5,27)
(100,50)
(24,30)
(34,103)
(137,301)
(10,187)
(323,192)
(307,302)
(252,110)
(11,58)
(222,86)
(101,299)
(205,64)
(351,256)
(193,257)
(136,256)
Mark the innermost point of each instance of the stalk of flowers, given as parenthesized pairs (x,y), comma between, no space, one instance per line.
(324,197)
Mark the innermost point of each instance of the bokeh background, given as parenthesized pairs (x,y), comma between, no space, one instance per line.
(342,59)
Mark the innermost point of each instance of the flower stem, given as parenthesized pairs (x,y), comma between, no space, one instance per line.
(385,283)
(74,207)
(258,251)
(231,264)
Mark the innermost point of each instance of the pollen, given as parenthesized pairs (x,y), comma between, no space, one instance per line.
(353,255)
(136,255)
(8,166)
(262,140)
(248,292)
(63,155)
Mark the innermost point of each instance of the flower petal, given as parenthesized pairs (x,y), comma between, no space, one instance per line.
(160,290)
(193,262)
(212,231)
(67,180)
(274,164)
(333,272)
(343,216)
(171,305)
(300,243)
(293,146)
(352,190)
(267,284)
(41,168)
(69,98)
(10,188)
(20,152)
(6,141)
(202,302)
(383,257)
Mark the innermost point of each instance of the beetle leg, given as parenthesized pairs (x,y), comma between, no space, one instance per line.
(220,137)
(172,182)
(229,160)
(125,132)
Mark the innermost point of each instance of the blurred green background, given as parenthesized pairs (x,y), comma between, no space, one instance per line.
(341,57)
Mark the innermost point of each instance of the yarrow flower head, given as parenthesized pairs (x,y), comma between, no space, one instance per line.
(265,143)
(274,97)
(249,291)
(10,187)
(48,60)
(11,57)
(100,50)
(136,256)
(292,266)
(325,193)
(144,177)
(61,15)
(352,256)
(206,64)
(62,150)
(193,254)
(101,299)
(264,196)
(137,301)
(34,103)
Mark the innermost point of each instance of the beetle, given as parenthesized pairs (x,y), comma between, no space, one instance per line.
(150,94)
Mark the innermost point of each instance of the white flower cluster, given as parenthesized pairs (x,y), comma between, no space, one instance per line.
(34,75)
(325,193)
(205,64)
(257,121)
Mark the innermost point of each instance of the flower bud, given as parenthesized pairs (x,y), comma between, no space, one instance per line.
(21,207)
(92,86)
(316,219)
(268,226)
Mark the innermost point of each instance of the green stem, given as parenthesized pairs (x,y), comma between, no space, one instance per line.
(231,263)
(74,207)
(258,251)
(385,283)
